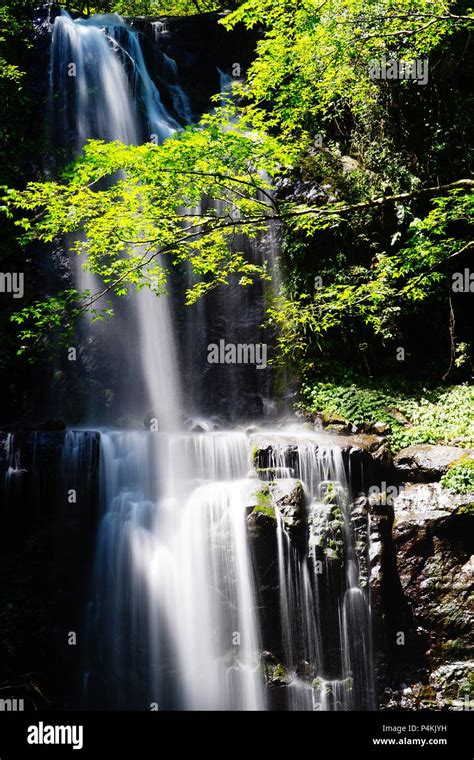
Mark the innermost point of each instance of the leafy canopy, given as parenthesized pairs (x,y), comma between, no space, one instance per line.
(191,199)
(313,60)
(132,205)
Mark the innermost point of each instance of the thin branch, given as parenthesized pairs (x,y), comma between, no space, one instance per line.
(323,210)
(166,249)
(422,276)
(452,336)
(402,32)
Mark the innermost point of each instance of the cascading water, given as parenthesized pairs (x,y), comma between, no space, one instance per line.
(307,577)
(173,575)
(174,619)
(100,87)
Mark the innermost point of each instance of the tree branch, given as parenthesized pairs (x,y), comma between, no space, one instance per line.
(384,199)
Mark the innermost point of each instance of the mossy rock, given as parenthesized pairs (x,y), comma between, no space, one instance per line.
(264,503)
(264,510)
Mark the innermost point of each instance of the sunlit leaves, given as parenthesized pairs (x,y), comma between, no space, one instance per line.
(375,295)
(191,200)
(314,57)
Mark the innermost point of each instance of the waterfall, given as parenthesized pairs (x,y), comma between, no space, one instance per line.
(181,102)
(100,87)
(175,617)
(321,469)
(173,576)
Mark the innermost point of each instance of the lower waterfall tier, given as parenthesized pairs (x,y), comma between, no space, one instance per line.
(227,570)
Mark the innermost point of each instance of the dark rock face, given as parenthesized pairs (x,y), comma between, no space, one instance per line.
(426,462)
(289,498)
(417,564)
(429,619)
(264,553)
(46,549)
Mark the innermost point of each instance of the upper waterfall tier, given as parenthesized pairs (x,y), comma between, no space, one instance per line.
(109,80)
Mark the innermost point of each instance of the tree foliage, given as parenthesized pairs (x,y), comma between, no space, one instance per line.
(389,216)
(313,60)
(153,7)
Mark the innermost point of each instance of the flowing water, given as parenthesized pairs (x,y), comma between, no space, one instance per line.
(174,619)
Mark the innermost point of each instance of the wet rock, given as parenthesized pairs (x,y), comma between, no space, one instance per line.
(326,532)
(197,428)
(426,462)
(360,525)
(380,428)
(433,545)
(273,473)
(278,443)
(150,420)
(383,456)
(453,685)
(289,498)
(53,425)
(263,547)
(333,423)
(276,679)
(358,453)
(258,498)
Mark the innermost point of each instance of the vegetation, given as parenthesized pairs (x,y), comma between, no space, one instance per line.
(460,476)
(152,7)
(264,503)
(15,27)
(416,415)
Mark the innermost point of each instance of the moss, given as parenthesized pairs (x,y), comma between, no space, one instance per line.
(279,672)
(327,418)
(455,649)
(465,459)
(299,491)
(254,455)
(265,471)
(331,493)
(268,511)
(427,692)
(264,503)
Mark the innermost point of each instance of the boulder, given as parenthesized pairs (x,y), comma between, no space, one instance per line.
(433,567)
(426,462)
(453,685)
(326,528)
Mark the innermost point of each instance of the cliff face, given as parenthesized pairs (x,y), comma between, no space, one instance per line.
(417,559)
(431,546)
(46,554)
(203,53)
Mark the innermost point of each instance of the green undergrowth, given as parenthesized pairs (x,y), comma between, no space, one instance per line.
(413,416)
(459,477)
